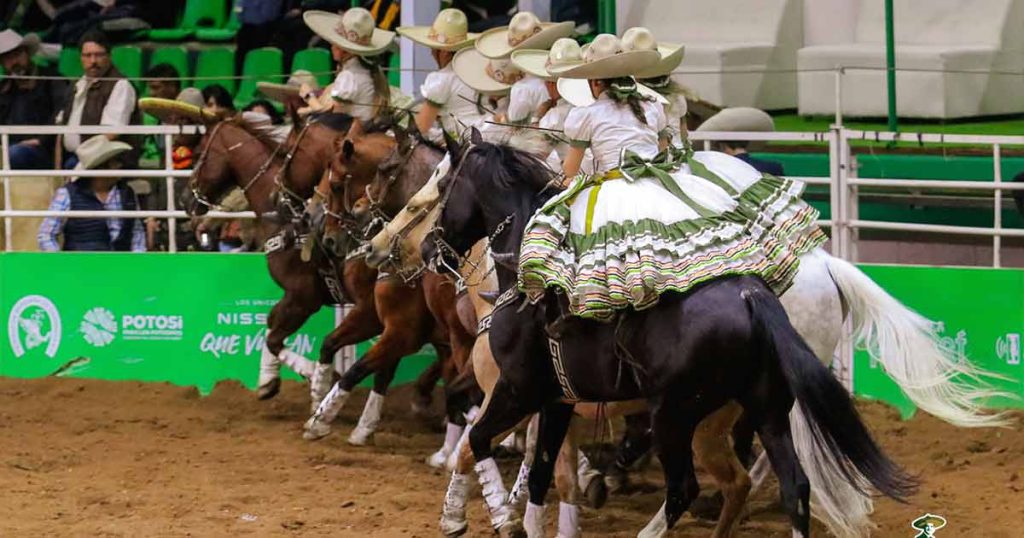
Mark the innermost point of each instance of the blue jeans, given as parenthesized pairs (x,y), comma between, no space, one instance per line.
(28,157)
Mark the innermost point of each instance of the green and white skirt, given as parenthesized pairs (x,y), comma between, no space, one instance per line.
(622,238)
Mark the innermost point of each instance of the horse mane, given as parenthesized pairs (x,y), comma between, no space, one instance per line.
(337,121)
(267,133)
(507,167)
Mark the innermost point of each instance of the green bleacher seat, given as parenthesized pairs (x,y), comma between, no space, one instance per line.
(227,32)
(128,60)
(176,57)
(265,64)
(216,62)
(198,14)
(70,62)
(316,61)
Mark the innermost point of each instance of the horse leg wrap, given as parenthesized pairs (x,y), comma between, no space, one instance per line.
(319,425)
(493,491)
(511,443)
(585,473)
(320,384)
(453,516)
(520,493)
(368,421)
(568,520)
(299,364)
(453,458)
(270,367)
(533,520)
(658,526)
(451,438)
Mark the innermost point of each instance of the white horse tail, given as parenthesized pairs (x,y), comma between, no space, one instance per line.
(908,346)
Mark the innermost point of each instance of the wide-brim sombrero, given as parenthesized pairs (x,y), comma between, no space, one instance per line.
(471,68)
(533,62)
(937,522)
(421,35)
(278,92)
(494,42)
(671,56)
(577,92)
(168,109)
(325,24)
(739,119)
(621,64)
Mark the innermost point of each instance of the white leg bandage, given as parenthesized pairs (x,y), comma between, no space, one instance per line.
(319,424)
(568,520)
(368,421)
(493,491)
(270,367)
(658,526)
(320,384)
(533,521)
(520,491)
(451,439)
(585,473)
(453,516)
(463,439)
(301,365)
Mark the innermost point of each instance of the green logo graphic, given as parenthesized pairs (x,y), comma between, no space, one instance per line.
(98,327)
(927,525)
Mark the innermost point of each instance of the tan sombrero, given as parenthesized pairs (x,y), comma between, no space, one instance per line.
(536,62)
(169,109)
(450,31)
(283,92)
(96,151)
(577,92)
(524,31)
(356,31)
(605,57)
(739,119)
(489,76)
(671,56)
(10,40)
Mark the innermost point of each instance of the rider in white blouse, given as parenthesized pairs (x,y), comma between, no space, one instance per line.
(608,128)
(528,94)
(353,90)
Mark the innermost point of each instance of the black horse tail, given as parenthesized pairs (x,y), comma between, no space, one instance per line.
(835,425)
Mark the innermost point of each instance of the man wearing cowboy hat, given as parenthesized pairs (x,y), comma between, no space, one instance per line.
(95,194)
(28,101)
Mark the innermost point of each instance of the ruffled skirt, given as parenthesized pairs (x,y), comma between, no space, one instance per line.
(613,241)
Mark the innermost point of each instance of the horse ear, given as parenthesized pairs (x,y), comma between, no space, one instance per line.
(403,136)
(452,145)
(475,137)
(347,149)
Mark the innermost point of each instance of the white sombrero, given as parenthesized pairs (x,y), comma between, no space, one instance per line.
(577,92)
(450,31)
(536,62)
(671,57)
(355,31)
(167,110)
(605,57)
(489,76)
(283,92)
(97,151)
(524,31)
(739,119)
(10,40)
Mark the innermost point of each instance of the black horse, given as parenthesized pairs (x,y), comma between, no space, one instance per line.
(728,339)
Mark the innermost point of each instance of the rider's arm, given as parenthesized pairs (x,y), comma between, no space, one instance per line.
(572,162)
(426,117)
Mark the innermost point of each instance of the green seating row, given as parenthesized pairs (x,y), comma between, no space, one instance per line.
(204,20)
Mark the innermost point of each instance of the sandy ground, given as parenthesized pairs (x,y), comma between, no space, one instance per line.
(94,458)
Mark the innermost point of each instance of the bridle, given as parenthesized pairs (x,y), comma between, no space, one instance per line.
(194,178)
(291,199)
(376,205)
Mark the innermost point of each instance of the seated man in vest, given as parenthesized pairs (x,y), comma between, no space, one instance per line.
(95,194)
(101,97)
(27,101)
(745,120)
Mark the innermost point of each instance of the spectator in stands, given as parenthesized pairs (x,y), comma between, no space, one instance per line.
(746,120)
(258,18)
(95,194)
(103,96)
(164,81)
(263,106)
(218,100)
(28,101)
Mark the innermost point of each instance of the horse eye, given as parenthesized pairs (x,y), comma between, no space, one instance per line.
(336,187)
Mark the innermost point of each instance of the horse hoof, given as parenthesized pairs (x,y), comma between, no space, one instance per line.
(596,493)
(315,429)
(707,507)
(269,390)
(453,529)
(512,529)
(420,407)
(360,437)
(438,459)
(615,481)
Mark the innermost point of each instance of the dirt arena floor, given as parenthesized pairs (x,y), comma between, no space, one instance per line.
(102,459)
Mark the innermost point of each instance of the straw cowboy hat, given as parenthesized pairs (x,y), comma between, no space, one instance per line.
(97,150)
(922,523)
(606,57)
(739,119)
(536,62)
(524,31)
(356,31)
(489,76)
(282,92)
(10,40)
(671,53)
(450,31)
(179,109)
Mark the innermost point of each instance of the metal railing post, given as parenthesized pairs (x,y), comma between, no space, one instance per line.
(834,199)
(172,223)
(839,96)
(5,150)
(997,216)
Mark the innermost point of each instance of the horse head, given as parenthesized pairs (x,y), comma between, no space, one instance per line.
(230,155)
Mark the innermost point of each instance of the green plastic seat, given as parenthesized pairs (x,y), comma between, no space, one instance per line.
(213,63)
(225,33)
(198,14)
(70,62)
(316,61)
(128,60)
(265,64)
(176,57)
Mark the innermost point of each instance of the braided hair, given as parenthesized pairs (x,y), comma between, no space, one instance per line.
(381,87)
(623,90)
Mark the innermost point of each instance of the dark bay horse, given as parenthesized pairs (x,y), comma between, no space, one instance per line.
(726,340)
